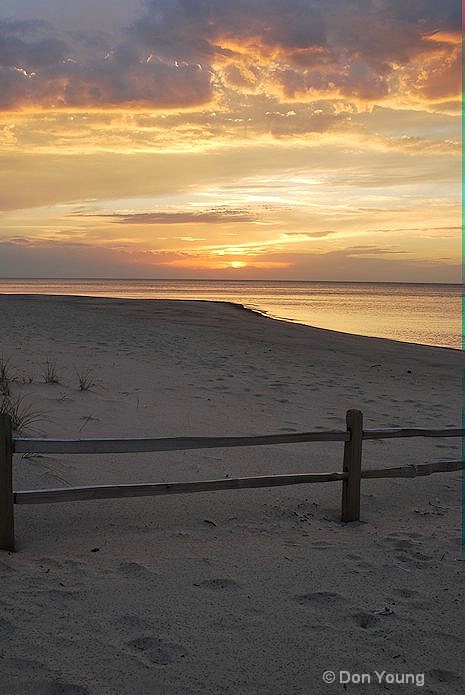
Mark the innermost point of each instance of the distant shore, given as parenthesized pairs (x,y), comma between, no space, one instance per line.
(179,591)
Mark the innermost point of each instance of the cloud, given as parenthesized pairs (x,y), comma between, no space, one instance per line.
(195,29)
(214,216)
(52,73)
(104,84)
(342,265)
(25,257)
(33,180)
(432,14)
(15,51)
(183,53)
(309,235)
(351,47)
(371,251)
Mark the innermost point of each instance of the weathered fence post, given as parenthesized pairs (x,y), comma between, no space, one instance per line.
(350,509)
(7,533)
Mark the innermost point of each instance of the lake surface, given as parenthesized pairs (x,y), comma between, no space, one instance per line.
(416,313)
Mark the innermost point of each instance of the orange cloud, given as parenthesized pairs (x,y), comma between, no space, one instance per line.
(184,55)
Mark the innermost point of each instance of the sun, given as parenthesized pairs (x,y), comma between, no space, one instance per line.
(237,264)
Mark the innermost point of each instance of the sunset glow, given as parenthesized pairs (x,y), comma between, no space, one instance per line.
(254,139)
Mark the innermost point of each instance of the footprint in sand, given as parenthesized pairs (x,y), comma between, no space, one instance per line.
(366,620)
(321,545)
(416,559)
(49,563)
(57,598)
(219,584)
(404,544)
(76,568)
(135,570)
(407,546)
(319,599)
(132,624)
(157,650)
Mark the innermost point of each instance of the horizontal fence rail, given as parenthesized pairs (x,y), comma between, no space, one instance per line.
(350,476)
(105,492)
(127,446)
(411,432)
(414,470)
(23,445)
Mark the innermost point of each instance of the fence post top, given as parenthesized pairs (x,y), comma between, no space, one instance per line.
(354,415)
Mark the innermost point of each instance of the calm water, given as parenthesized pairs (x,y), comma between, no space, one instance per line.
(415,313)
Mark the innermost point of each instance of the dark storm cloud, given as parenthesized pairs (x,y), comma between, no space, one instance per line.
(102,85)
(17,52)
(435,14)
(52,72)
(196,27)
(192,28)
(164,57)
(353,46)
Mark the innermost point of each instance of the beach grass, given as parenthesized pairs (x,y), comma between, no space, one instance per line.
(86,380)
(49,374)
(22,413)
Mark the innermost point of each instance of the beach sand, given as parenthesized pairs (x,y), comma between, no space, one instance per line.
(253,592)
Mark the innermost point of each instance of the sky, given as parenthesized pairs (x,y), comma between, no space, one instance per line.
(254,139)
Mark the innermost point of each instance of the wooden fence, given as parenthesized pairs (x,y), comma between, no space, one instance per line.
(351,474)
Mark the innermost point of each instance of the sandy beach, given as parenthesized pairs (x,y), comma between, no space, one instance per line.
(254,592)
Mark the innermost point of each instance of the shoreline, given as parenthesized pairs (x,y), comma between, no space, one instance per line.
(242,307)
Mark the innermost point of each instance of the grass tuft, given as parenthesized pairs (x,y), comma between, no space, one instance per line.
(86,380)
(50,373)
(22,414)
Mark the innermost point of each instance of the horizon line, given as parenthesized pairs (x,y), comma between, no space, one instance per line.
(276,280)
